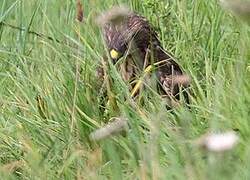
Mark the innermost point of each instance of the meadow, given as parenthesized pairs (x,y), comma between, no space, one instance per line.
(51,100)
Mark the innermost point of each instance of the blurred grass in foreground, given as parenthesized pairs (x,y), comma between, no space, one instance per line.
(49,100)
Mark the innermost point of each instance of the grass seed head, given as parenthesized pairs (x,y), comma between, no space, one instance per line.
(115,15)
(239,8)
(117,126)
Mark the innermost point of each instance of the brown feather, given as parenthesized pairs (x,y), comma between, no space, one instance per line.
(136,38)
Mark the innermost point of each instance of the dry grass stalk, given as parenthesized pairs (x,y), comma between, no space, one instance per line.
(79,11)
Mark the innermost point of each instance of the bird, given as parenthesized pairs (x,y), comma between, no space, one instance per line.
(130,37)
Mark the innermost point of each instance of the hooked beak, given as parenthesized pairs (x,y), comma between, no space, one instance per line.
(114,54)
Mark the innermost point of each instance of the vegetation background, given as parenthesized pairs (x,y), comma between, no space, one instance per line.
(50,100)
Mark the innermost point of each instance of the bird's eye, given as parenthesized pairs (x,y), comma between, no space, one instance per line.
(114,54)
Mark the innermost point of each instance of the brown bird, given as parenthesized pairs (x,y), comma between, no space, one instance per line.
(130,37)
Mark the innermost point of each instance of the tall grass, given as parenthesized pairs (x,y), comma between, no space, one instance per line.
(50,97)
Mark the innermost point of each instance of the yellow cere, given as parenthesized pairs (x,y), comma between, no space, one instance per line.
(114,54)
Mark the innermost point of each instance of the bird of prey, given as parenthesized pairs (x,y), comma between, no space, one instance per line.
(131,37)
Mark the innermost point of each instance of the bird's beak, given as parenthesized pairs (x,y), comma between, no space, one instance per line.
(114,54)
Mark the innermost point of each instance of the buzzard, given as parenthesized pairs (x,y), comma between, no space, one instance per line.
(133,43)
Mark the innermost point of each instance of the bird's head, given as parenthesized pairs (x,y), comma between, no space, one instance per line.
(116,42)
(117,52)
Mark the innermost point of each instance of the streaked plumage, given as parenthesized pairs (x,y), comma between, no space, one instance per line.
(135,39)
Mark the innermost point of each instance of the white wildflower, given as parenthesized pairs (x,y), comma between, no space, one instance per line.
(219,142)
